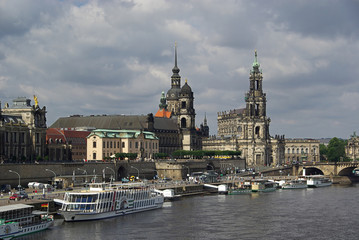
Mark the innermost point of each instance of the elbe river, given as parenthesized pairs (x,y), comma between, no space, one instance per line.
(322,213)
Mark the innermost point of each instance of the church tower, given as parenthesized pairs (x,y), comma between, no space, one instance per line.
(174,92)
(255,122)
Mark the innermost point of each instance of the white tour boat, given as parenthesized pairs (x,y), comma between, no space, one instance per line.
(318,181)
(105,200)
(295,184)
(19,219)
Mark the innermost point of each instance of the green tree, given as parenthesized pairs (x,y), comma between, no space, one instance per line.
(336,150)
(323,151)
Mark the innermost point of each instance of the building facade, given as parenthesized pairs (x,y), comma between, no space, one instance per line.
(247,129)
(104,143)
(22,131)
(65,145)
(352,148)
(302,150)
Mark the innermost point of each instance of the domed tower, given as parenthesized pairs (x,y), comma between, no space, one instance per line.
(255,123)
(173,94)
(186,116)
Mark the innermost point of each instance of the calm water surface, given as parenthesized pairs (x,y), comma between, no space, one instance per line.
(324,213)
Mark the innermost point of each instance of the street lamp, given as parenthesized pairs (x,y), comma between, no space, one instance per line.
(17,174)
(114,173)
(138,172)
(49,170)
(84,172)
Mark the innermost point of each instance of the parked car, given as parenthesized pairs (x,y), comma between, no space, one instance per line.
(5,188)
(69,189)
(18,196)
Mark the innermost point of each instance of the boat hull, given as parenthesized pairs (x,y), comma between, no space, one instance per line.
(317,185)
(75,216)
(21,231)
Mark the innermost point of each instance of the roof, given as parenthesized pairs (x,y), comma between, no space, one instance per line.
(73,136)
(105,133)
(14,207)
(163,113)
(166,123)
(103,122)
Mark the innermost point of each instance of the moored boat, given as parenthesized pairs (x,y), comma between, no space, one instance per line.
(104,200)
(316,181)
(19,219)
(262,185)
(241,188)
(295,184)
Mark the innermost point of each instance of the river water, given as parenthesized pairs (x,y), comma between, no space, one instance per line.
(323,213)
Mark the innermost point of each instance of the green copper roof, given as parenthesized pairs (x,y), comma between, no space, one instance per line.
(105,133)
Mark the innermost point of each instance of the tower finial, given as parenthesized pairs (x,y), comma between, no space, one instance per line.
(255,63)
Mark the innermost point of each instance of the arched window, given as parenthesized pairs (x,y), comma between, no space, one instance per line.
(183,123)
(257,131)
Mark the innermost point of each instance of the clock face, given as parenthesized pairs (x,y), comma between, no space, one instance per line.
(172,95)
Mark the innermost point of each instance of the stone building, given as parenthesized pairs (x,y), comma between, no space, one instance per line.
(22,131)
(302,150)
(352,148)
(180,102)
(102,143)
(166,129)
(247,129)
(65,145)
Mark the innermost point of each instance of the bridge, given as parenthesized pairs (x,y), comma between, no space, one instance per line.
(328,169)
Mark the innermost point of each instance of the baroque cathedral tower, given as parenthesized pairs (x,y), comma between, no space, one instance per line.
(247,129)
(180,103)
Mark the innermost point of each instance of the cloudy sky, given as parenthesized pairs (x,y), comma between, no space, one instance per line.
(116,57)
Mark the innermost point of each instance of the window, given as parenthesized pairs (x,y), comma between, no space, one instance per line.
(94,144)
(136,144)
(130,144)
(183,104)
(111,144)
(94,156)
(123,144)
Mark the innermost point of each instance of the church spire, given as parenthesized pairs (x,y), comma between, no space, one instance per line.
(205,119)
(175,69)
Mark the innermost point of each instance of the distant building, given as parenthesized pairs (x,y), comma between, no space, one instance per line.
(302,150)
(104,143)
(247,129)
(22,131)
(352,148)
(180,102)
(66,145)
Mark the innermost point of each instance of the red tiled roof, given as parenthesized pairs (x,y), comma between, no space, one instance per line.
(163,113)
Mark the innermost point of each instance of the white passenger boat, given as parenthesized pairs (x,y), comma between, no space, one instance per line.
(19,219)
(295,184)
(316,181)
(103,200)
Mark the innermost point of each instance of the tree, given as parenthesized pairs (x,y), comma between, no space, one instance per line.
(336,150)
(323,151)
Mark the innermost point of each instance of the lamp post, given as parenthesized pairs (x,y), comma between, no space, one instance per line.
(114,173)
(138,172)
(18,175)
(84,172)
(49,170)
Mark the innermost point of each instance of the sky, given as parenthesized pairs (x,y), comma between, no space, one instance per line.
(116,57)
